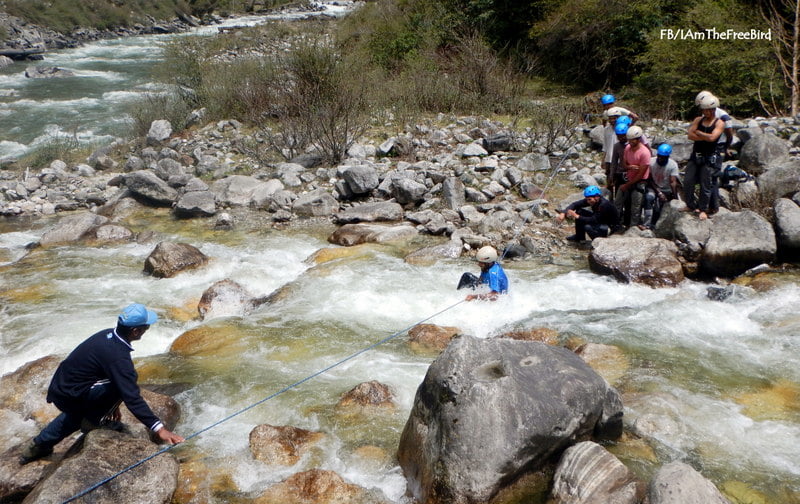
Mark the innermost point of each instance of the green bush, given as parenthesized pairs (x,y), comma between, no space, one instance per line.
(152,107)
(737,71)
(63,147)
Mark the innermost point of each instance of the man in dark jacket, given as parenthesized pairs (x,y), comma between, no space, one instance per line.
(93,380)
(599,221)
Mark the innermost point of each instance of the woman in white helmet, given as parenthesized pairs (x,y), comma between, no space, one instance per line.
(492,275)
(705,159)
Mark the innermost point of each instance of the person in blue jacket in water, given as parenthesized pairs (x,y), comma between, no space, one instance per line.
(492,275)
(91,383)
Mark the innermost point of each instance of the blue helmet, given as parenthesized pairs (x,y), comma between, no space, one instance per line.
(624,120)
(620,128)
(608,99)
(592,190)
(664,150)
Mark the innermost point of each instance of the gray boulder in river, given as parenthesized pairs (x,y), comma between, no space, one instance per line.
(105,452)
(490,410)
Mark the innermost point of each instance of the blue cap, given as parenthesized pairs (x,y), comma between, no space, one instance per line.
(620,128)
(664,150)
(592,190)
(624,120)
(137,315)
(607,99)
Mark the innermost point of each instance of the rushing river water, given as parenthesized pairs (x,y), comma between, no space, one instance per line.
(716,384)
(713,383)
(110,75)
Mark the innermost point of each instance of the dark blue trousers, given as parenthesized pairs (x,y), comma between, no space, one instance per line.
(98,402)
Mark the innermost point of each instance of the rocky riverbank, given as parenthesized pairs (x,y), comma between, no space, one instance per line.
(466,179)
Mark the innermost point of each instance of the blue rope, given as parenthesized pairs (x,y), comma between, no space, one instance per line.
(271,396)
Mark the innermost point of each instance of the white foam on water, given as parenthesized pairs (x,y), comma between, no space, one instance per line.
(12,149)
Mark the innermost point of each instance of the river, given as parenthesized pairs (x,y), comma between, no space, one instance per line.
(110,75)
(716,384)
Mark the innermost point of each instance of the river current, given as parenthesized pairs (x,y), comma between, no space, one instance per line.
(716,384)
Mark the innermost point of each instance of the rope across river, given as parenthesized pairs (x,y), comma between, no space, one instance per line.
(257,403)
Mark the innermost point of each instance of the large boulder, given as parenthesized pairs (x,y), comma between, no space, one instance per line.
(146,185)
(361,179)
(787,220)
(429,255)
(782,180)
(282,445)
(167,409)
(371,212)
(169,258)
(196,204)
(651,261)
(588,474)
(318,203)
(236,190)
(23,391)
(431,337)
(490,410)
(355,234)
(406,190)
(367,397)
(43,72)
(225,298)
(738,242)
(453,193)
(762,151)
(104,453)
(72,228)
(317,486)
(160,130)
(679,483)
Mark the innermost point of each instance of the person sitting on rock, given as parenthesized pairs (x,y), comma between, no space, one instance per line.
(598,220)
(705,160)
(662,185)
(492,275)
(93,380)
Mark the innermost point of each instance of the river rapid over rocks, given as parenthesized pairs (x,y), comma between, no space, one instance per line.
(298,266)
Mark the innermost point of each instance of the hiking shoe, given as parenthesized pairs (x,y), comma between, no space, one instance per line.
(573,238)
(33,452)
(113,425)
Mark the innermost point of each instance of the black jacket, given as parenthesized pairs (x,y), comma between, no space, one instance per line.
(603,213)
(103,357)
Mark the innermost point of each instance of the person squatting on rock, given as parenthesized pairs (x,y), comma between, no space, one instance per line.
(492,275)
(705,160)
(599,219)
(636,163)
(93,380)
(662,185)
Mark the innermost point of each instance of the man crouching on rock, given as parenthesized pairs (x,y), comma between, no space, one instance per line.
(93,380)
(601,220)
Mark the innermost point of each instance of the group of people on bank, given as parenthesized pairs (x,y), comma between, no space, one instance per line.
(639,184)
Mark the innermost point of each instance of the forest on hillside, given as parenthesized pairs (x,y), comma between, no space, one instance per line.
(656,53)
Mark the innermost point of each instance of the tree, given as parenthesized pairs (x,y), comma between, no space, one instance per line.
(783,17)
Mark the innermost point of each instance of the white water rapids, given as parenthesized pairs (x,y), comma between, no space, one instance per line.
(692,360)
(713,383)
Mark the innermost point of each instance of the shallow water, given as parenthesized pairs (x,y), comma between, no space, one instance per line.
(714,384)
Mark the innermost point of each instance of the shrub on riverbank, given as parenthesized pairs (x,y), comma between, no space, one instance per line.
(306,87)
